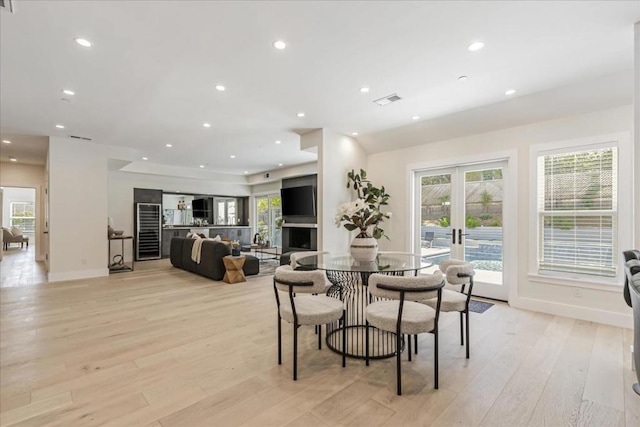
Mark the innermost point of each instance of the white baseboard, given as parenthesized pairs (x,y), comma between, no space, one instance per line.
(78,274)
(577,312)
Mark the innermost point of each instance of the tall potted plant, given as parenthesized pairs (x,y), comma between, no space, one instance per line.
(362,214)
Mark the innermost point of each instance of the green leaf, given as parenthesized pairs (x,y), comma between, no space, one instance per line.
(350,227)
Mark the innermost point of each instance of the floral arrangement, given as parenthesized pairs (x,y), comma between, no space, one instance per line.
(364,212)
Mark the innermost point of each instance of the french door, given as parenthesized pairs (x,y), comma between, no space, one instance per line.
(461,217)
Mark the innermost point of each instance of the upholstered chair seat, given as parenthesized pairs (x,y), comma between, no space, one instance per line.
(298,304)
(401,314)
(459,275)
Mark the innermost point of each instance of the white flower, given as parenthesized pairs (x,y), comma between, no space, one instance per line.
(388,214)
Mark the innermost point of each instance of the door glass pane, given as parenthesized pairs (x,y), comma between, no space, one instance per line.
(262,204)
(483,223)
(275,216)
(435,218)
(231,212)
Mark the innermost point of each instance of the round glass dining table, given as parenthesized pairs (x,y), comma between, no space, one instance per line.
(350,279)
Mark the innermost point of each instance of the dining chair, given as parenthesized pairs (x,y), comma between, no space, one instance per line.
(457,273)
(401,314)
(303,310)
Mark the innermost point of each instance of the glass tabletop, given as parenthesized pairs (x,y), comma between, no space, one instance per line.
(384,262)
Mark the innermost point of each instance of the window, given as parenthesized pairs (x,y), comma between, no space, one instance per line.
(23,216)
(577,211)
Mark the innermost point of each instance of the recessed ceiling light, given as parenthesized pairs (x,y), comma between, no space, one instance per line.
(279,164)
(60,126)
(300,114)
(475,46)
(13,159)
(279,44)
(463,78)
(233,156)
(220,88)
(415,117)
(246,171)
(510,92)
(364,89)
(278,142)
(145,158)
(207,125)
(168,145)
(354,133)
(6,141)
(201,166)
(68,92)
(83,42)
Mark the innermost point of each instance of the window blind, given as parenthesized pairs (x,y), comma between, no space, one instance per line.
(577,212)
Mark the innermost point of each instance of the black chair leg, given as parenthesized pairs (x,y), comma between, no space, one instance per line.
(398,364)
(295,352)
(319,337)
(461,331)
(344,340)
(435,359)
(467,320)
(279,342)
(415,342)
(409,344)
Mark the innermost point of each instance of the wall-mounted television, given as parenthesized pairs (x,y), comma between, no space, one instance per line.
(299,201)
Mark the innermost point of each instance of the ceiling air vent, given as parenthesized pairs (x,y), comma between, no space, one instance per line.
(387,99)
(76,136)
(6,5)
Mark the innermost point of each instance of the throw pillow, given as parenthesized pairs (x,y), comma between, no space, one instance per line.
(218,238)
(16,231)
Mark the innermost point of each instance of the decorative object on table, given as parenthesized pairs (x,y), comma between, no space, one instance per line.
(235,248)
(363,213)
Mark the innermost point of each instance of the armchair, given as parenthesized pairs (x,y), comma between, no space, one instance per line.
(9,237)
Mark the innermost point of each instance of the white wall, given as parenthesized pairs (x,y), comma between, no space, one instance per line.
(391,169)
(337,155)
(77,209)
(33,176)
(636,120)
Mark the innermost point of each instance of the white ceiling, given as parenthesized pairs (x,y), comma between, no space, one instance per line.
(26,149)
(149,79)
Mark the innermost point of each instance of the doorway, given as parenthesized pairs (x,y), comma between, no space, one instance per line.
(19,223)
(461,215)
(269,218)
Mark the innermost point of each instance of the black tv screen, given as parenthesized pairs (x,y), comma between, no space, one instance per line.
(199,208)
(298,201)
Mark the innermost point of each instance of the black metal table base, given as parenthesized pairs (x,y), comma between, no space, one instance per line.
(351,288)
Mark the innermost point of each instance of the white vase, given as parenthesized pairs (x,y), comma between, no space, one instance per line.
(364,249)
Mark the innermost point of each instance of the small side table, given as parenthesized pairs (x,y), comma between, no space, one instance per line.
(233,265)
(122,266)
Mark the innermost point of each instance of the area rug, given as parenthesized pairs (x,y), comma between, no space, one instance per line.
(479,306)
(268,267)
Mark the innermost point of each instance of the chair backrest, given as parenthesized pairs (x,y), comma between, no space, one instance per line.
(429,235)
(6,233)
(458,272)
(628,256)
(426,286)
(285,275)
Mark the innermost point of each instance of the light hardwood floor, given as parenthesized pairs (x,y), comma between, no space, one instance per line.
(164,347)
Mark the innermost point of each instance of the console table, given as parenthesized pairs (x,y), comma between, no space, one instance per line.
(120,266)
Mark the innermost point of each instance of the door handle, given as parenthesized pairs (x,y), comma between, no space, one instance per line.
(460,234)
